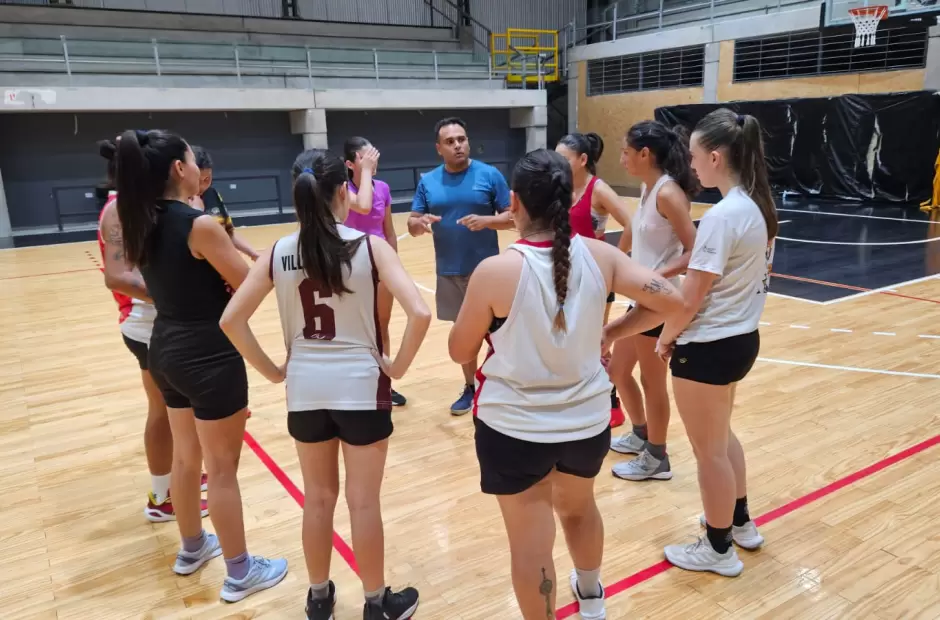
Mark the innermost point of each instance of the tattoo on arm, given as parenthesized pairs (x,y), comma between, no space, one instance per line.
(114,236)
(545,589)
(654,286)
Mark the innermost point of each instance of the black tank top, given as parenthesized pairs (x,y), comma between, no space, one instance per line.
(184,288)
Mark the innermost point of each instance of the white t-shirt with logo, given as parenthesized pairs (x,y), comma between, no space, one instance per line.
(731,243)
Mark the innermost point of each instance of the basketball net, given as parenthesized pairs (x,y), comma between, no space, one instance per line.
(866,20)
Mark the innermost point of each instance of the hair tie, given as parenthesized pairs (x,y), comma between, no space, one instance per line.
(307,171)
(740,120)
(143,139)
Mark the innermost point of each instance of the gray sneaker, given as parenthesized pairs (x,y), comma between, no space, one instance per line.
(644,467)
(628,443)
(263,574)
(188,562)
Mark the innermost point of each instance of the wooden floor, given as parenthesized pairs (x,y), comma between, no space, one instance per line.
(822,405)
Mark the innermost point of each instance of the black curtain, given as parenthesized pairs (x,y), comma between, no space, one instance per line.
(853,147)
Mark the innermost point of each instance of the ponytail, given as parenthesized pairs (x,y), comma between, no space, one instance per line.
(670,150)
(542,181)
(754,173)
(324,253)
(143,163)
(740,136)
(136,201)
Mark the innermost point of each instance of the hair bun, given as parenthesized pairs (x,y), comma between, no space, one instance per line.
(143,137)
(107,149)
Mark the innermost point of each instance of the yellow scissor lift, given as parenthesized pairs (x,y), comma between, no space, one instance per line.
(518,53)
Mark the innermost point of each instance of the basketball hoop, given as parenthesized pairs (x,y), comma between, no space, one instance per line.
(866,20)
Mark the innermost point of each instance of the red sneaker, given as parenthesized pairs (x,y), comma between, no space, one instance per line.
(616,413)
(204,483)
(163,512)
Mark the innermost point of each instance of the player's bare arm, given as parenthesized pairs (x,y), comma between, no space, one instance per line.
(118,275)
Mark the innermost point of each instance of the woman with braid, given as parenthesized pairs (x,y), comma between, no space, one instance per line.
(542,406)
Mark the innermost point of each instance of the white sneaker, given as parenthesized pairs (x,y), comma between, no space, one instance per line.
(745,536)
(700,556)
(188,562)
(263,574)
(644,467)
(591,607)
(628,443)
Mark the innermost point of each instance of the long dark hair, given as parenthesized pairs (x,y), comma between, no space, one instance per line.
(542,181)
(670,149)
(107,149)
(318,174)
(740,135)
(589,144)
(144,159)
(351,148)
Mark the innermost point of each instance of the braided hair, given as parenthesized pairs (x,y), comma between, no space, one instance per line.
(542,181)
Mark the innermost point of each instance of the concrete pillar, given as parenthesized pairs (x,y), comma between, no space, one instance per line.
(710,74)
(535,122)
(311,124)
(574,91)
(6,231)
(932,70)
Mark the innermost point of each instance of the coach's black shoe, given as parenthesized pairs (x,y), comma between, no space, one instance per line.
(321,609)
(397,399)
(394,606)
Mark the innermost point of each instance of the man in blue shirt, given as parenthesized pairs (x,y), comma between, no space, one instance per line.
(462,204)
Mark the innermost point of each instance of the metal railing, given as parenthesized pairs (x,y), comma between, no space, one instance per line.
(461,21)
(165,60)
(616,21)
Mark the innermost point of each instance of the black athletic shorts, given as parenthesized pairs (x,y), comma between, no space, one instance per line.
(509,465)
(720,362)
(139,349)
(652,333)
(611,298)
(357,428)
(195,365)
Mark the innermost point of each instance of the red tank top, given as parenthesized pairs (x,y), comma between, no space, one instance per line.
(582,222)
(125,303)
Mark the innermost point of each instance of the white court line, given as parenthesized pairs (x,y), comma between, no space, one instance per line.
(898,373)
(928,336)
(884,333)
(860,243)
(890,287)
(424,288)
(806,301)
(764,323)
(871,217)
(841,331)
(800,326)
(402,236)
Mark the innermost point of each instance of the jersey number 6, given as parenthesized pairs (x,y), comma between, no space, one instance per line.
(319,320)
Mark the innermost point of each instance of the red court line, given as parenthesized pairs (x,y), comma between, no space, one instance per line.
(53,273)
(850,287)
(651,571)
(339,544)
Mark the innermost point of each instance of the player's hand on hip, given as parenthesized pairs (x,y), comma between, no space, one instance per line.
(664,350)
(386,365)
(473,222)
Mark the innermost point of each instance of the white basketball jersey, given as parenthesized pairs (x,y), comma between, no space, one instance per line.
(542,385)
(655,242)
(138,324)
(330,339)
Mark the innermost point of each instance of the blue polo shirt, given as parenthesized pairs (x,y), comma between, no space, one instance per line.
(481,189)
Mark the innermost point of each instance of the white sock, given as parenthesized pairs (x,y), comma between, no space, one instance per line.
(589,582)
(161,487)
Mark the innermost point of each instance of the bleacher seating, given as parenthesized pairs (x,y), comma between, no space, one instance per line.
(112,48)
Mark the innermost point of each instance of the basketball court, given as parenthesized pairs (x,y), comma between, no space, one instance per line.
(838,420)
